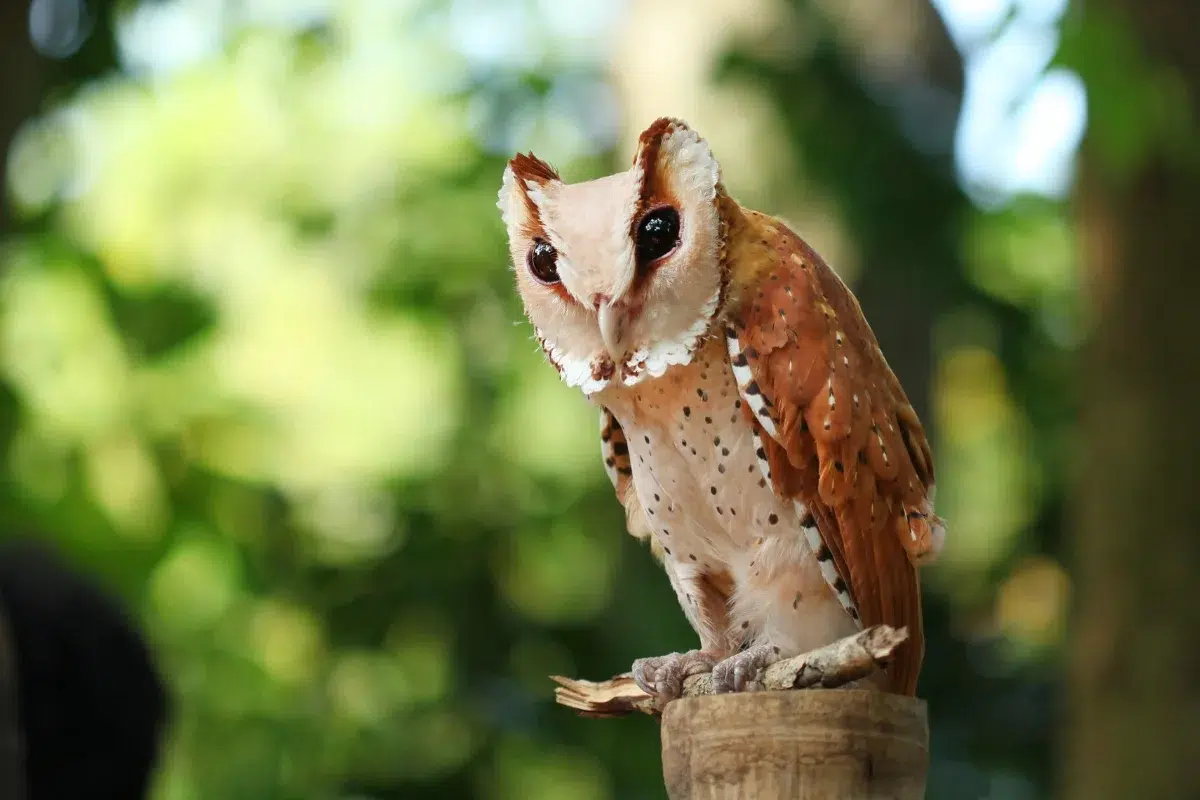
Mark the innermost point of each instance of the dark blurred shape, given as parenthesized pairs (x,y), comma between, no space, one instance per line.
(91,705)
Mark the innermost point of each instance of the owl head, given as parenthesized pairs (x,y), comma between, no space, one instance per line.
(620,276)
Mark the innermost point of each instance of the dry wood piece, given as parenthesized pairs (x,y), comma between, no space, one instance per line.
(845,661)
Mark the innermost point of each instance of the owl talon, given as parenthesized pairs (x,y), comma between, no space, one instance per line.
(740,672)
(664,675)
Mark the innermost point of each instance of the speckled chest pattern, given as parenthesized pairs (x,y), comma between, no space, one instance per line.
(720,525)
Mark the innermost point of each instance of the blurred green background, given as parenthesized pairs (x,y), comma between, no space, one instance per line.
(264,371)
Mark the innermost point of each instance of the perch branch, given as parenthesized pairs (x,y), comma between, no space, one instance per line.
(845,661)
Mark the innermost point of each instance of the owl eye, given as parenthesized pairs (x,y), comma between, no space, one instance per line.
(543,261)
(657,234)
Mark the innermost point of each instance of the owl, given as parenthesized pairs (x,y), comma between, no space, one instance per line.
(749,422)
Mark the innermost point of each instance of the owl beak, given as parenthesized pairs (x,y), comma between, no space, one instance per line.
(613,328)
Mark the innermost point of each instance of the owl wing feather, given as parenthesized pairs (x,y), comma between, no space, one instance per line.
(841,436)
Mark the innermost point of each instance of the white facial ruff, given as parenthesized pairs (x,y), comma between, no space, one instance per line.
(586,372)
(579,372)
(655,360)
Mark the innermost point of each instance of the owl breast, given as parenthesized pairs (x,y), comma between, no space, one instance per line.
(714,512)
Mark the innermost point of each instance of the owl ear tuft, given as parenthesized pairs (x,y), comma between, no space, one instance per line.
(529,167)
(650,139)
(675,164)
(517,207)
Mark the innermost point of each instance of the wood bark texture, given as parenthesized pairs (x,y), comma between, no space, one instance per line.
(849,744)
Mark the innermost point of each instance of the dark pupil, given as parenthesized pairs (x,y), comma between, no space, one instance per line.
(657,234)
(543,261)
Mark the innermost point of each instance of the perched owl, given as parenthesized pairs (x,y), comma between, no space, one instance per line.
(748,420)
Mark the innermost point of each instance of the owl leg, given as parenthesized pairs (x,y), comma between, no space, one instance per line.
(786,607)
(703,593)
(736,673)
(663,675)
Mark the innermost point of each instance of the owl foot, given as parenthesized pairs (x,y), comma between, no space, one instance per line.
(736,673)
(663,675)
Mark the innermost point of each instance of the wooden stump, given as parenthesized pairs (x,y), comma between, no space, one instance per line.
(843,744)
(789,740)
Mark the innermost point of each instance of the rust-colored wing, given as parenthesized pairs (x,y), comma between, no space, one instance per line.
(615,451)
(840,434)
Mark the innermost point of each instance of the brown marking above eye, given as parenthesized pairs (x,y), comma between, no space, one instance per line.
(654,191)
(527,168)
(542,260)
(646,158)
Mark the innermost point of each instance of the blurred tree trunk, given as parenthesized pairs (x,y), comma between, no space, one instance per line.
(1135,678)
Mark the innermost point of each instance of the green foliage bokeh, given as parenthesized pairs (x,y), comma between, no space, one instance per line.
(265,374)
